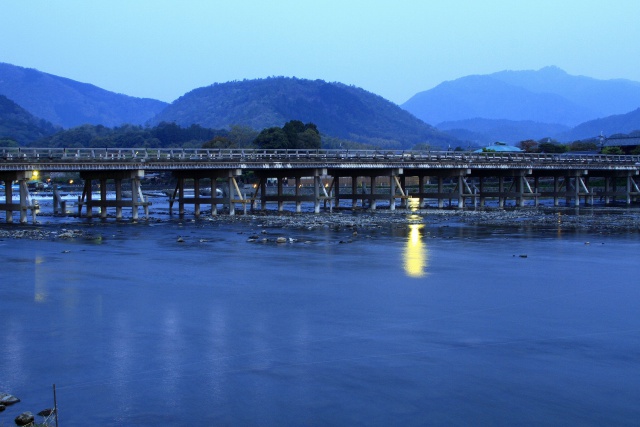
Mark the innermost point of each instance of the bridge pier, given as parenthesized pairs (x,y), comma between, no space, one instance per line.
(137,198)
(369,196)
(25,204)
(183,196)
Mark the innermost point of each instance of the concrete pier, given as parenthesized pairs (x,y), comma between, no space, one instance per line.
(25,204)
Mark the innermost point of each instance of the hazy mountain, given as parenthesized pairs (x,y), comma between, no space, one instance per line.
(487,131)
(338,110)
(548,95)
(21,126)
(69,103)
(604,97)
(619,123)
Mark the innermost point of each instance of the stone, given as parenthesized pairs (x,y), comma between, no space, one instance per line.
(2,408)
(8,399)
(46,412)
(281,240)
(24,419)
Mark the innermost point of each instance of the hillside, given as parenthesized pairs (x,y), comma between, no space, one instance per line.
(487,131)
(548,95)
(69,103)
(618,123)
(19,125)
(338,110)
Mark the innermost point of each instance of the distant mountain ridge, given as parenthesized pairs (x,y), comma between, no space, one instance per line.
(607,126)
(548,95)
(487,131)
(338,110)
(19,125)
(69,103)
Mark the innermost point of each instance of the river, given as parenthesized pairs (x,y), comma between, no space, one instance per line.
(181,322)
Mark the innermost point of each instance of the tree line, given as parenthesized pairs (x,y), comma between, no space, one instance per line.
(294,134)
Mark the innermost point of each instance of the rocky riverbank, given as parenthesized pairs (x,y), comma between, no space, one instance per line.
(593,220)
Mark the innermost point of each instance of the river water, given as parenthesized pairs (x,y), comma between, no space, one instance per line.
(189,323)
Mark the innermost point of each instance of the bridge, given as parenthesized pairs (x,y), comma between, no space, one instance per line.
(364,177)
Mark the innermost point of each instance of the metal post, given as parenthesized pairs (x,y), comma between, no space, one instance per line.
(55,404)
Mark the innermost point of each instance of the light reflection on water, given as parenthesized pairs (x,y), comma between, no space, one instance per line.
(416,256)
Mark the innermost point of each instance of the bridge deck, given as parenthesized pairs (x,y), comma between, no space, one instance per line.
(466,173)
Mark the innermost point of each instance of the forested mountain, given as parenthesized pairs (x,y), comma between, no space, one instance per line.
(615,124)
(338,110)
(548,95)
(17,124)
(69,103)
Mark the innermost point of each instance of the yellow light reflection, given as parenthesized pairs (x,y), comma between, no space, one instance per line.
(416,255)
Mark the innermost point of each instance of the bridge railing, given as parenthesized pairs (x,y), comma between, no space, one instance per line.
(22,154)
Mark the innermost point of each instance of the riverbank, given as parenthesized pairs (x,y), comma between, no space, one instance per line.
(601,220)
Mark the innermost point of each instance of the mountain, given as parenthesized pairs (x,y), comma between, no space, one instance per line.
(548,95)
(487,131)
(615,124)
(338,110)
(604,97)
(69,103)
(19,125)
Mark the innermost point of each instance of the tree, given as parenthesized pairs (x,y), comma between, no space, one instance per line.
(529,146)
(583,146)
(294,134)
(219,142)
(550,147)
(272,138)
(612,150)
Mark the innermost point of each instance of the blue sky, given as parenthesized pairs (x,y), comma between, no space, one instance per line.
(162,49)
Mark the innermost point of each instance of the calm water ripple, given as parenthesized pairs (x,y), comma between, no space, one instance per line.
(411,325)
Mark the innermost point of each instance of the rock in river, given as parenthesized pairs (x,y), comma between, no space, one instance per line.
(24,419)
(8,399)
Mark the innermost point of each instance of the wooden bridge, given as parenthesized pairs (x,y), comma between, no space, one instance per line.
(330,176)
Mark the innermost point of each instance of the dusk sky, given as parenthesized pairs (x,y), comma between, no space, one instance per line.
(162,49)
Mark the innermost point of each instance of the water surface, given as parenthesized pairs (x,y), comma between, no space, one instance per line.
(397,325)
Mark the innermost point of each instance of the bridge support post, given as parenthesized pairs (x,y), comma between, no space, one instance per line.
(501,196)
(392,193)
(404,202)
(372,198)
(354,191)
(214,195)
(232,205)
(118,182)
(336,190)
(196,196)
(103,196)
(280,201)
(297,194)
(440,192)
(317,182)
